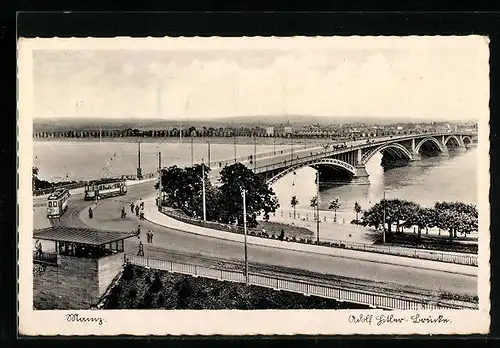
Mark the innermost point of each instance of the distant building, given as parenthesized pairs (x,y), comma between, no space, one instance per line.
(270,131)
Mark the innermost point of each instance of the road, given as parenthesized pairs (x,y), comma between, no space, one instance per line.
(167,240)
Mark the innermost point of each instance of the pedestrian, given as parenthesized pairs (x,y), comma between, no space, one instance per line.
(123,213)
(132,207)
(91,213)
(141,249)
(139,230)
(136,210)
(151,237)
(282,234)
(148,236)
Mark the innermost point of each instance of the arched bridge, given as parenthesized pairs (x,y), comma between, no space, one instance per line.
(351,157)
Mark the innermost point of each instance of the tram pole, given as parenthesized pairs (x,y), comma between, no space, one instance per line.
(317,206)
(243,193)
(204,196)
(159,179)
(191,150)
(208,143)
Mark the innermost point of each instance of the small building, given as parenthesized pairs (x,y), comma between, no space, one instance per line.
(81,268)
(270,131)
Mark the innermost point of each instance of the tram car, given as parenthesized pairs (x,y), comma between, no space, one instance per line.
(105,188)
(57,203)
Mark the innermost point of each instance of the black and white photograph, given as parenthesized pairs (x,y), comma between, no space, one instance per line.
(254,185)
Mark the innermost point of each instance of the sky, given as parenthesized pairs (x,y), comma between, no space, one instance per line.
(195,79)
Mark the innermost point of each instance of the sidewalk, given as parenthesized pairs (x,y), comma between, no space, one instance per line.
(153,215)
(342,229)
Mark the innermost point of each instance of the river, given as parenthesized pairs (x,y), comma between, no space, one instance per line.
(452,178)
(432,179)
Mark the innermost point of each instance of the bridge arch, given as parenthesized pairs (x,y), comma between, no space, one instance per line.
(333,162)
(469,139)
(452,137)
(432,140)
(393,147)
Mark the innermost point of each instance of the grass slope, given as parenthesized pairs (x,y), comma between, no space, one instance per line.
(141,288)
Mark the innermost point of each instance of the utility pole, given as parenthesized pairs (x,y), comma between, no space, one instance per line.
(254,153)
(159,179)
(234,144)
(291,148)
(191,150)
(208,143)
(204,196)
(274,145)
(243,192)
(139,170)
(317,206)
(383,235)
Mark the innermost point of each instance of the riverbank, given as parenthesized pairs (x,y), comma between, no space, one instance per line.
(200,140)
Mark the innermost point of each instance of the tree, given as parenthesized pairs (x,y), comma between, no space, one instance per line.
(294,202)
(334,205)
(260,198)
(313,202)
(183,188)
(357,209)
(456,217)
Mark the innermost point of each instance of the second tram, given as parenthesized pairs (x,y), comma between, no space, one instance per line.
(105,188)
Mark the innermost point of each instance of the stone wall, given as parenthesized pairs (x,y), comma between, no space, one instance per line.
(72,284)
(109,267)
(75,282)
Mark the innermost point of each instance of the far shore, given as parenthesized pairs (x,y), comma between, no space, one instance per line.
(199,140)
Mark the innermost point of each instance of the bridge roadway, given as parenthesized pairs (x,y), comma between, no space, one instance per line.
(169,241)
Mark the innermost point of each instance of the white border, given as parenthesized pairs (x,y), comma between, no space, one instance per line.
(270,322)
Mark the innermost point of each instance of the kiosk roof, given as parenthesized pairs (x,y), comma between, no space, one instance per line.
(80,235)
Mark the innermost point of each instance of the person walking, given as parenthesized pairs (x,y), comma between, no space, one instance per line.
(147,236)
(139,230)
(282,235)
(91,213)
(137,210)
(123,213)
(132,207)
(141,249)
(151,237)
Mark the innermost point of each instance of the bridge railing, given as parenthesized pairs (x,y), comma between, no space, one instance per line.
(289,283)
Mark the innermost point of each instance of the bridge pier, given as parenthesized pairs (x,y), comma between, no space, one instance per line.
(361,177)
(461,148)
(444,152)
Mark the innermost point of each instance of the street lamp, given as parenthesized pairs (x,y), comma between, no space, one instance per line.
(204,196)
(243,193)
(317,206)
(383,235)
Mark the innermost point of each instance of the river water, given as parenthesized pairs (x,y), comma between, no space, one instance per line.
(451,178)
(87,160)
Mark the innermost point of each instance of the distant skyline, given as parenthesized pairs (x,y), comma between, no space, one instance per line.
(427,78)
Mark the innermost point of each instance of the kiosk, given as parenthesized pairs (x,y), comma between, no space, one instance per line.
(78,273)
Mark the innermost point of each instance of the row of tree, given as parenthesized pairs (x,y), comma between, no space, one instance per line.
(333,205)
(454,217)
(182,189)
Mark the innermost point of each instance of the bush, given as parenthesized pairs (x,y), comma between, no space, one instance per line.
(156,285)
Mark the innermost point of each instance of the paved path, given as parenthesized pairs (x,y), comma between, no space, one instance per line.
(107,216)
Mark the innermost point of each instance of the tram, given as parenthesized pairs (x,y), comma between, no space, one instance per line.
(105,188)
(57,203)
